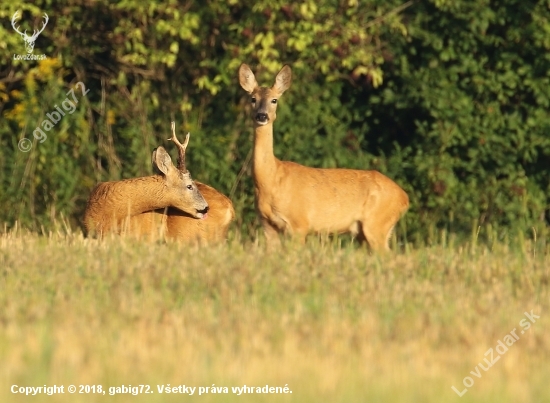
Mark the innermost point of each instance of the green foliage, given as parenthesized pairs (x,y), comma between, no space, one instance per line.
(450,99)
(467,96)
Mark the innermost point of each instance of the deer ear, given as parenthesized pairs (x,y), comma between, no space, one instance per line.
(283,80)
(162,161)
(156,170)
(247,79)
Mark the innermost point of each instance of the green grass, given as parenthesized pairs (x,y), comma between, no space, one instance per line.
(332,323)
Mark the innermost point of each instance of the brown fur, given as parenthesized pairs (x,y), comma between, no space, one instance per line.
(174,225)
(111,203)
(297,200)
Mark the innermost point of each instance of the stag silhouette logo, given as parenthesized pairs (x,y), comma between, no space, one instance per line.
(29,40)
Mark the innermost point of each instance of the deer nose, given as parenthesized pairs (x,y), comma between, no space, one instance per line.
(261,117)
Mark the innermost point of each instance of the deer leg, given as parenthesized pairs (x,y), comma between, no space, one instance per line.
(377,238)
(298,235)
(271,234)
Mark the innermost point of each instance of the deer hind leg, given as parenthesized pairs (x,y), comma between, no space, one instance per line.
(356,232)
(378,233)
(375,241)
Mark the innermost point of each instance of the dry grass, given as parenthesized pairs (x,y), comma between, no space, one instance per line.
(334,324)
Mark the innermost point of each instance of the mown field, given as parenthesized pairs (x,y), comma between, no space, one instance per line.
(330,322)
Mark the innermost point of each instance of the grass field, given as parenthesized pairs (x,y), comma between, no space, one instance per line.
(332,324)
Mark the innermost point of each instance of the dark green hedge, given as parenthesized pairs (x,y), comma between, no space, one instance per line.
(449,98)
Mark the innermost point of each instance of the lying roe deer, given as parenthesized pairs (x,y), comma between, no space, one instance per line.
(111,204)
(297,200)
(176,225)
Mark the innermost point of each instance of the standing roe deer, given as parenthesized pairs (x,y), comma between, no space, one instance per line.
(177,225)
(297,200)
(112,204)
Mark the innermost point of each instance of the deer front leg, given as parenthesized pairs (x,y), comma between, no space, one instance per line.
(271,235)
(298,234)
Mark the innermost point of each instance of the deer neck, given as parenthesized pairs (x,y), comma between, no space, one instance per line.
(148,193)
(264,161)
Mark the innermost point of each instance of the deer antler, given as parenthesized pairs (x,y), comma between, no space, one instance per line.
(13,20)
(24,34)
(181,148)
(35,34)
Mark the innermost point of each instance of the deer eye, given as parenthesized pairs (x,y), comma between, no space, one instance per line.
(190,187)
(273,101)
(253,100)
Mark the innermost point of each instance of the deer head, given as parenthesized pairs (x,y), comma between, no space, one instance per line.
(29,40)
(182,171)
(264,99)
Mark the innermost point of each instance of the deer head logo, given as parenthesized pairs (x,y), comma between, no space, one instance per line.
(29,40)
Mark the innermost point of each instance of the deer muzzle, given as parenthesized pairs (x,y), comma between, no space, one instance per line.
(203,214)
(261,118)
